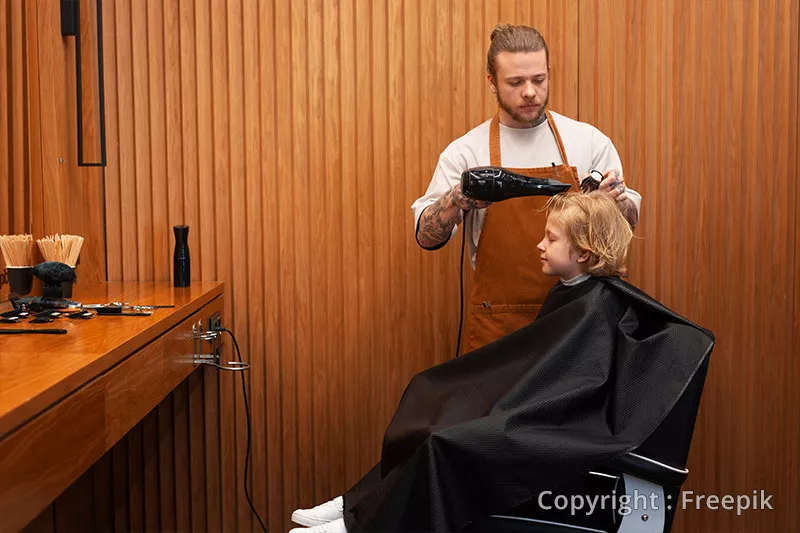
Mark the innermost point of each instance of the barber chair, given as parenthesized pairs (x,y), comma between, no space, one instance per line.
(657,467)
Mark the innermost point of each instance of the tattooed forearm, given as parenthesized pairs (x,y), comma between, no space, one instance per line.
(630,212)
(436,222)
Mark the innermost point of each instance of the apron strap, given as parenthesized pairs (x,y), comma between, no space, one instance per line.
(557,135)
(494,141)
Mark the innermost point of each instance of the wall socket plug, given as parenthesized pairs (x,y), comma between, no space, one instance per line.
(214,322)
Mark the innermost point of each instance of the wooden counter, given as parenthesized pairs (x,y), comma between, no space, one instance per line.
(67,399)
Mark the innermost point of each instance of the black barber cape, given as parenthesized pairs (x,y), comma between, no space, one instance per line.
(587,381)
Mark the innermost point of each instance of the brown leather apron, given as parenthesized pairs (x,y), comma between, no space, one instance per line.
(509,286)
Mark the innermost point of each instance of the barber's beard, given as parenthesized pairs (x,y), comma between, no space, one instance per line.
(537,119)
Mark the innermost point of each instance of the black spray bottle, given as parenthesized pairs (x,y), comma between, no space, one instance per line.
(181,265)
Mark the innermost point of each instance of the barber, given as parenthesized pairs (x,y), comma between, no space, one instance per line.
(527,138)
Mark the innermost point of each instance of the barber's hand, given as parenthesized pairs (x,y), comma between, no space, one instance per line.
(614,185)
(463,201)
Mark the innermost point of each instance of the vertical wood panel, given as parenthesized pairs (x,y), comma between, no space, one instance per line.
(399,238)
(34,123)
(6,88)
(73,509)
(103,492)
(183,502)
(206,106)
(159,191)
(270,376)
(20,215)
(364,249)
(300,235)
(142,146)
(431,300)
(333,172)
(166,463)
(197,453)
(285,251)
(254,285)
(126,118)
(434,116)
(348,239)
(224,251)
(187,80)
(15,117)
(152,497)
(381,165)
(793,462)
(135,487)
(318,219)
(416,299)
(238,237)
(213,492)
(89,80)
(112,182)
(119,458)
(173,126)
(205,122)
(439,123)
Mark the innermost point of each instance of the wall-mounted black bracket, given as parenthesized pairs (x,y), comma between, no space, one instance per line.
(71,27)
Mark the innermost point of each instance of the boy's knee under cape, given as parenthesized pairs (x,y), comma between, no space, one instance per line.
(588,380)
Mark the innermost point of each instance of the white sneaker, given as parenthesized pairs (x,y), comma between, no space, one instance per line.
(337,526)
(321,514)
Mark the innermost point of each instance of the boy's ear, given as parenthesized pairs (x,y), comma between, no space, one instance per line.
(583,257)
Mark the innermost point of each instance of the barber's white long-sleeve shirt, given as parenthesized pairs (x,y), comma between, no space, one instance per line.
(587,149)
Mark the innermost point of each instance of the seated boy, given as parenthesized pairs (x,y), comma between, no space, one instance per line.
(587,381)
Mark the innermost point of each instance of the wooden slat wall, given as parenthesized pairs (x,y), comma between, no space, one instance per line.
(701,101)
(15,212)
(293,136)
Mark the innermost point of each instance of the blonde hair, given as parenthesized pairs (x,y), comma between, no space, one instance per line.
(593,223)
(510,38)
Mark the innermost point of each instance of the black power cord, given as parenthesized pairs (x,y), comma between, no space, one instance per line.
(247,416)
(461,282)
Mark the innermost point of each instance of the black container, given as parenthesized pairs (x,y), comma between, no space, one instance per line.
(180,259)
(62,289)
(20,280)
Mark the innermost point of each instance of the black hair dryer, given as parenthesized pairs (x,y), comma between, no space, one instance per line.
(493,184)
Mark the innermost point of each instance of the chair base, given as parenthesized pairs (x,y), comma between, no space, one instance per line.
(645,510)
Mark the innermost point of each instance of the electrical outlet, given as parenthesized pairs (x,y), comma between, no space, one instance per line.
(214,322)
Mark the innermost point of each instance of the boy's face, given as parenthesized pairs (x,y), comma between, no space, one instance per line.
(559,257)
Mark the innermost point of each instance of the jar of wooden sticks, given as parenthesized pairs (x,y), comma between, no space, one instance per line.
(17,253)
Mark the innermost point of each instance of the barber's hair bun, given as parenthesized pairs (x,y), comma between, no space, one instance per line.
(498,29)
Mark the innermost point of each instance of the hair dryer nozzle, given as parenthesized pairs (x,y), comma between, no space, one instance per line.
(493,184)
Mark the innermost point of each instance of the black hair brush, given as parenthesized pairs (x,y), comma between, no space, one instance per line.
(57,278)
